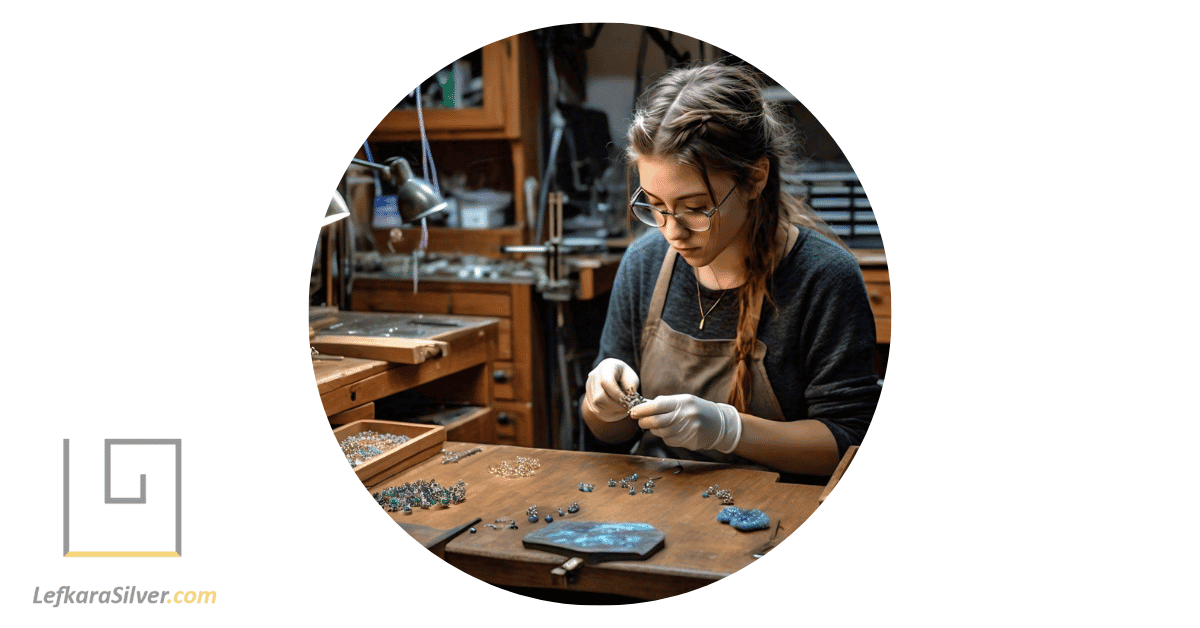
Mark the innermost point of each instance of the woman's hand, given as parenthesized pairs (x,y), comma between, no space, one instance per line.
(611,380)
(690,422)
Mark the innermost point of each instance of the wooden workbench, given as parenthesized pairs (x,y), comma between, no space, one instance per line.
(699,550)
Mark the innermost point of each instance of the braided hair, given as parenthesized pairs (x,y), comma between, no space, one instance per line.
(715,119)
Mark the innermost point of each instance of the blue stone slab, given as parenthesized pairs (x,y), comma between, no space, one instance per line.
(598,541)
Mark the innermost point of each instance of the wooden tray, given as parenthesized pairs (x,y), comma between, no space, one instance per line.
(402,350)
(426,441)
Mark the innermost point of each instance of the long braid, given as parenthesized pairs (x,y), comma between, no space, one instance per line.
(760,266)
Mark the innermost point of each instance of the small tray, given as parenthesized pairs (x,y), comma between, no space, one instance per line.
(426,441)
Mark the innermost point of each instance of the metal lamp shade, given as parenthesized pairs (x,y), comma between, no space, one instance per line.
(337,210)
(416,196)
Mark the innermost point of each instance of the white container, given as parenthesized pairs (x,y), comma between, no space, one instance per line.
(482,209)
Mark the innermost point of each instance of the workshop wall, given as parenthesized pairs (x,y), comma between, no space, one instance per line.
(612,68)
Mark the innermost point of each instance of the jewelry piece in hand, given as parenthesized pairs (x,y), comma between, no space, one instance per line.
(632,399)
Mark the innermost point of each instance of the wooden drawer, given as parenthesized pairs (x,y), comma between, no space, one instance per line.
(883,329)
(514,423)
(477,427)
(504,344)
(481,304)
(879,291)
(880,294)
(365,412)
(510,382)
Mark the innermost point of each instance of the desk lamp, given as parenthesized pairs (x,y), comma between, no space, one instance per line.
(417,197)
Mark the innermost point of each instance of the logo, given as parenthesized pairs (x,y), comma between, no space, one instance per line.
(108,520)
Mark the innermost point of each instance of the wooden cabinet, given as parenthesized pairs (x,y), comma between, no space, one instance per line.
(879,291)
(873,263)
(502,133)
(517,378)
(506,125)
(510,85)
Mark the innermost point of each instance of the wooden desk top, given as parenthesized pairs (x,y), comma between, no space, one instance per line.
(698,549)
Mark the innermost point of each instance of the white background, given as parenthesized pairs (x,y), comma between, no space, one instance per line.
(165,170)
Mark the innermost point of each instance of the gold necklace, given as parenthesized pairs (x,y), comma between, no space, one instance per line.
(700,304)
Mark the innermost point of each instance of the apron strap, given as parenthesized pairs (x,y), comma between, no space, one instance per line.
(659,297)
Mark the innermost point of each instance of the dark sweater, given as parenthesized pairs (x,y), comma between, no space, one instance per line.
(820,333)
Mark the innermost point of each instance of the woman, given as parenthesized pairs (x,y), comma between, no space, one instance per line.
(742,319)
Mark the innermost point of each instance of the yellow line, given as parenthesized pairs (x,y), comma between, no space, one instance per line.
(122,555)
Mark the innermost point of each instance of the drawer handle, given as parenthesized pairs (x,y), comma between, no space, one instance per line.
(503,418)
(501,375)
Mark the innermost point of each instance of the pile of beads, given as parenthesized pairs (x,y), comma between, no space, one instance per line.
(532,513)
(524,467)
(744,520)
(420,494)
(587,488)
(448,456)
(363,446)
(725,495)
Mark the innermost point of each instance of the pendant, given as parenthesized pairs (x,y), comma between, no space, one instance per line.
(701,322)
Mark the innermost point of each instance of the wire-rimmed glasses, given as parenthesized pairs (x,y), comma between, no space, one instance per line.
(690,219)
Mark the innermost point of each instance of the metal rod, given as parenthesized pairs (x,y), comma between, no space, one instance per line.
(369,164)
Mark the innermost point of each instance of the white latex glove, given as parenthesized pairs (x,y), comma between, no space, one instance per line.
(690,422)
(611,380)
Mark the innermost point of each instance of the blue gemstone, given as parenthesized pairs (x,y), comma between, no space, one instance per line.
(549,518)
(750,520)
(532,518)
(727,515)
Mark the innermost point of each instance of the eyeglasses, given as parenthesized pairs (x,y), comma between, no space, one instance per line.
(692,219)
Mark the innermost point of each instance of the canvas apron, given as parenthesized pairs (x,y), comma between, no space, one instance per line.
(674,363)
